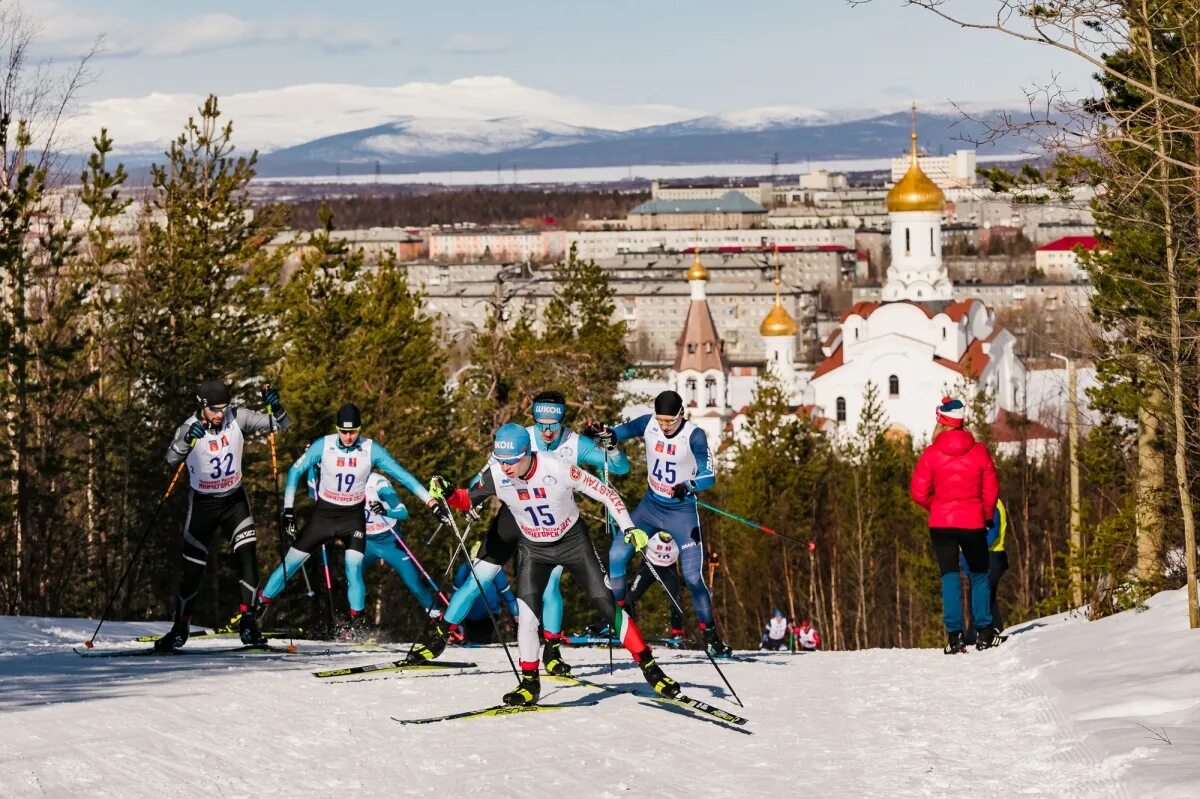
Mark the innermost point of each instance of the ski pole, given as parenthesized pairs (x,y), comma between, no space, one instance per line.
(462,547)
(307,585)
(328,589)
(755,525)
(291,647)
(89,643)
(670,596)
(420,568)
(445,577)
(437,530)
(608,526)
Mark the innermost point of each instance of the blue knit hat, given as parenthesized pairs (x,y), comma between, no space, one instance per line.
(951,413)
(511,444)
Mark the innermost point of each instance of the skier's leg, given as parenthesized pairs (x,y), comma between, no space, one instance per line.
(243,542)
(395,556)
(691,563)
(552,606)
(945,551)
(498,546)
(533,572)
(975,551)
(320,530)
(198,530)
(619,552)
(997,566)
(641,583)
(580,559)
(670,576)
(356,587)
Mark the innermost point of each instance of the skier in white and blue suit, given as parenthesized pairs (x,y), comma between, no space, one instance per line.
(678,466)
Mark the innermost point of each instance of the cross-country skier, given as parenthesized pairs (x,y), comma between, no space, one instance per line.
(540,490)
(211,441)
(807,639)
(548,434)
(383,510)
(660,556)
(775,634)
(345,460)
(678,467)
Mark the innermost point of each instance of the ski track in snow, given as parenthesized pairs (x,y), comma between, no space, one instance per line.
(894,723)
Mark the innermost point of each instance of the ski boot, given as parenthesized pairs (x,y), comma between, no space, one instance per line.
(552,657)
(431,649)
(989,637)
(177,636)
(527,691)
(674,639)
(660,682)
(715,646)
(955,644)
(248,630)
(356,630)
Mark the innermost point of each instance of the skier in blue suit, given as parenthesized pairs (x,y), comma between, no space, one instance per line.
(678,466)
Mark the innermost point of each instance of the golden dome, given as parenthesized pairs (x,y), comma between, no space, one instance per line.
(915,191)
(697,272)
(778,322)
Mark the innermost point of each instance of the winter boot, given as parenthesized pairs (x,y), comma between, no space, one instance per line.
(177,637)
(955,643)
(989,637)
(713,643)
(356,629)
(674,638)
(552,657)
(436,645)
(527,691)
(248,630)
(661,683)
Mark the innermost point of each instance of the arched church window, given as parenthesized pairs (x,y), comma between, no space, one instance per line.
(710,392)
(931,241)
(943,332)
(893,386)
(907,241)
(1016,396)
(841,409)
(691,390)
(775,355)
(691,348)
(708,347)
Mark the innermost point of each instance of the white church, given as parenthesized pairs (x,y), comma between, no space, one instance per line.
(916,345)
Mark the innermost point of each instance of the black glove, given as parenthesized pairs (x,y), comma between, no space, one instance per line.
(602,434)
(440,513)
(288,518)
(682,490)
(270,398)
(377,507)
(194,433)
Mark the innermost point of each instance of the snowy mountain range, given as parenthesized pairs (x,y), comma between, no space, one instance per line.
(481,123)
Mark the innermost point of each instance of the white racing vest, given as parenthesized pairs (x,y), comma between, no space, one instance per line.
(777,628)
(215,461)
(344,474)
(669,461)
(544,503)
(377,524)
(807,639)
(661,553)
(567,449)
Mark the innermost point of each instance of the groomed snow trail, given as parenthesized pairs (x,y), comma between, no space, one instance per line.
(874,723)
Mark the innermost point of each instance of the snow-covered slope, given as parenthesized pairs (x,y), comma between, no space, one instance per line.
(1054,712)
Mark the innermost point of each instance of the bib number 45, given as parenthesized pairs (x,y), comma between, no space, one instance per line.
(664,470)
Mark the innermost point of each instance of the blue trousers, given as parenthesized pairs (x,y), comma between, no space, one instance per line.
(468,592)
(947,542)
(387,549)
(683,523)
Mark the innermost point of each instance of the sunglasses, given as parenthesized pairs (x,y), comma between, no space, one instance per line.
(348,430)
(542,427)
(509,460)
(218,408)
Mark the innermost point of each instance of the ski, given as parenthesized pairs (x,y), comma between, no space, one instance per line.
(151,652)
(149,639)
(494,710)
(589,640)
(694,705)
(396,665)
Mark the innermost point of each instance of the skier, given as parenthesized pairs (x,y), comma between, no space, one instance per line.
(345,461)
(660,555)
(548,434)
(211,441)
(477,624)
(997,565)
(383,509)
(678,467)
(807,639)
(540,491)
(955,480)
(775,633)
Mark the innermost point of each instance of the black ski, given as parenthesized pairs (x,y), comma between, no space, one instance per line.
(396,665)
(147,639)
(694,705)
(151,651)
(494,710)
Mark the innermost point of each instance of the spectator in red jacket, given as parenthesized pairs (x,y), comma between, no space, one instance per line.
(955,480)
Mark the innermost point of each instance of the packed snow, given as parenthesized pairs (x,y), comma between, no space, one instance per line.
(1064,708)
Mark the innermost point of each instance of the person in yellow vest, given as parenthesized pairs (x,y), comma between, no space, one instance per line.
(997,566)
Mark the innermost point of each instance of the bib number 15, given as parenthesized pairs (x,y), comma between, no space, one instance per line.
(540,515)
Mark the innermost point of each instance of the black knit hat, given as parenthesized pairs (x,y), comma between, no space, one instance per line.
(348,417)
(212,392)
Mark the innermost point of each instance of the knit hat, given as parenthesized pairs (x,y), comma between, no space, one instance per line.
(511,443)
(951,412)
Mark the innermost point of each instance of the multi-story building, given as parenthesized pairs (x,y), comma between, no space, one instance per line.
(947,171)
(497,245)
(1059,260)
(732,210)
(759,193)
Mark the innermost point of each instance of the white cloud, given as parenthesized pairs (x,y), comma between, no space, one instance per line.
(474,43)
(66,32)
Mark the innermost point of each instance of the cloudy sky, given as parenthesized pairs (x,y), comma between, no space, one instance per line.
(697,56)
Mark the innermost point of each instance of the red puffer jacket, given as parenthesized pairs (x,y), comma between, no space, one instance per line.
(955,480)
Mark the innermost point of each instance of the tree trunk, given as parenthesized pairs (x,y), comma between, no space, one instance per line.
(1151,479)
